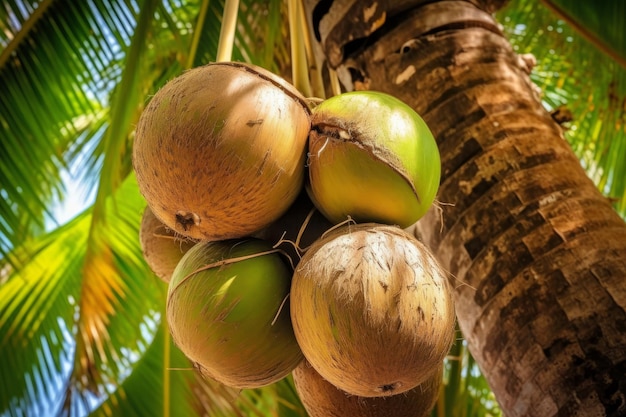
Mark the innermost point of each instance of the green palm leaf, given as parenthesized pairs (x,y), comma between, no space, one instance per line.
(36,313)
(152,387)
(40,100)
(82,308)
(125,106)
(602,22)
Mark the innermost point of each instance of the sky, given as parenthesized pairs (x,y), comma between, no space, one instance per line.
(77,198)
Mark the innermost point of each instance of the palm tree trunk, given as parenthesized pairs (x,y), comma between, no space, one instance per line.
(538,255)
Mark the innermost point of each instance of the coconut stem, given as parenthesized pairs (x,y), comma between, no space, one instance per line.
(228,261)
(280,308)
(305,223)
(227,31)
(348,221)
(299,68)
(283,240)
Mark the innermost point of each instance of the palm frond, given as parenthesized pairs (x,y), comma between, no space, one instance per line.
(118,296)
(37,305)
(159,384)
(579,80)
(78,316)
(125,106)
(602,23)
(40,100)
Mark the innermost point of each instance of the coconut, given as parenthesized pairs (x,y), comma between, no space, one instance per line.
(322,399)
(219,151)
(161,246)
(228,312)
(371,158)
(372,310)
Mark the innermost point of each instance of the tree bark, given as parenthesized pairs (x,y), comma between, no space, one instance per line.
(537,254)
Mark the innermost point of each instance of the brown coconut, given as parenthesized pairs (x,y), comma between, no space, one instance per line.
(219,151)
(322,399)
(372,310)
(161,246)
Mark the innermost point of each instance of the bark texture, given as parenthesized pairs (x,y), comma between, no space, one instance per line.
(537,254)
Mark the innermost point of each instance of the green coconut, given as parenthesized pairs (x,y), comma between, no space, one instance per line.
(322,399)
(228,312)
(219,151)
(372,310)
(371,158)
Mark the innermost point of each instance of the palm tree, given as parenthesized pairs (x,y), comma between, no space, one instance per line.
(81,328)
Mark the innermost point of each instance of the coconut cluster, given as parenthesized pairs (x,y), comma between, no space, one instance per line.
(279,228)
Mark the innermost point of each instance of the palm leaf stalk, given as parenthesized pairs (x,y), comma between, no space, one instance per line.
(198,30)
(227,31)
(299,64)
(314,64)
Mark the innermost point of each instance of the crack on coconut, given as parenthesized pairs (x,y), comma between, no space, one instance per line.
(335,132)
(227,261)
(335,128)
(389,388)
(252,123)
(187,219)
